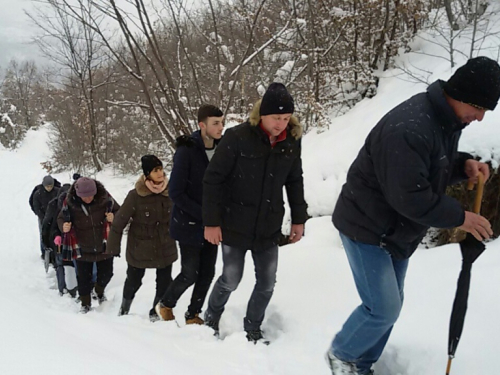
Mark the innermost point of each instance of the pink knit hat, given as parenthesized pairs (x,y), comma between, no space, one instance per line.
(85,187)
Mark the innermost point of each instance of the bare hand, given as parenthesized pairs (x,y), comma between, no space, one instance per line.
(473,167)
(109,217)
(477,225)
(213,235)
(296,233)
(66,227)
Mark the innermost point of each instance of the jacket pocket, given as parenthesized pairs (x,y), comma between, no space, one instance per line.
(241,219)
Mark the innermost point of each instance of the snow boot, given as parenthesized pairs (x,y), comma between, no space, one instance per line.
(72,292)
(125,307)
(86,304)
(193,318)
(340,367)
(99,290)
(256,336)
(214,324)
(164,312)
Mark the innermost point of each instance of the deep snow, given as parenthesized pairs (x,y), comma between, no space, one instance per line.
(42,333)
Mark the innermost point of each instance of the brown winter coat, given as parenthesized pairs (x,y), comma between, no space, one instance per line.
(89,228)
(149,244)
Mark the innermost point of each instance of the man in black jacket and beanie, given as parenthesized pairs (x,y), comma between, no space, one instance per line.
(395,191)
(41,197)
(243,201)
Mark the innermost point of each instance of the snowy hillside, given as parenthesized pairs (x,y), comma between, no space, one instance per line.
(43,333)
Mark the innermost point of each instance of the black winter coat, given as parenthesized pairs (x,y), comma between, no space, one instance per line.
(243,184)
(41,199)
(395,188)
(57,184)
(185,189)
(49,225)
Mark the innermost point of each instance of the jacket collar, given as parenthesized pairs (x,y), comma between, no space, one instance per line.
(449,120)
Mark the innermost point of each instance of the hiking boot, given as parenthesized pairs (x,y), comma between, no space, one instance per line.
(125,307)
(214,324)
(164,312)
(193,318)
(340,367)
(153,316)
(85,304)
(256,336)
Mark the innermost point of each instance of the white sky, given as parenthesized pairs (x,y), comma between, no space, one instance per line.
(16,32)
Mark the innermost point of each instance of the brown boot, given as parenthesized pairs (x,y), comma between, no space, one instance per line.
(86,301)
(164,312)
(194,319)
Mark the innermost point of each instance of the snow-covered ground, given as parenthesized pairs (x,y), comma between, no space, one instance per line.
(42,333)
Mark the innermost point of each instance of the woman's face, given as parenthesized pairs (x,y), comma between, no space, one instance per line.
(157,175)
(88,200)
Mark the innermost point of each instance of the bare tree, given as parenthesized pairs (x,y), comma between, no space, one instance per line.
(78,49)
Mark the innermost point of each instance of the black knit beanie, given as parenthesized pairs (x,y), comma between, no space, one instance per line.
(276,100)
(150,162)
(477,82)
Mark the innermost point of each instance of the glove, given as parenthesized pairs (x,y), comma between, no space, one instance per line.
(57,240)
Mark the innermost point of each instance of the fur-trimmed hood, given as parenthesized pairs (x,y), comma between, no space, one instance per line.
(100,198)
(142,189)
(294,124)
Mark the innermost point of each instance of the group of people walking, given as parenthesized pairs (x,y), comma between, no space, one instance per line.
(228,190)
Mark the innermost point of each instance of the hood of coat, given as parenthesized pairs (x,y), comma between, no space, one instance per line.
(294,125)
(142,189)
(193,140)
(75,201)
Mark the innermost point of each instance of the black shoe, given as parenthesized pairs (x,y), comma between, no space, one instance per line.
(214,324)
(256,336)
(125,307)
(153,316)
(72,292)
(85,309)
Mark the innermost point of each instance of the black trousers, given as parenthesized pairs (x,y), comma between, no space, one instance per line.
(134,282)
(84,275)
(198,268)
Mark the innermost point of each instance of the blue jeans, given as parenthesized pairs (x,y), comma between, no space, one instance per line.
(380,282)
(266,265)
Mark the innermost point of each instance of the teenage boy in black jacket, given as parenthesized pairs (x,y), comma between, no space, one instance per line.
(198,256)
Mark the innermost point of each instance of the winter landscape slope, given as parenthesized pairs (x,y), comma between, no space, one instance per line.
(43,333)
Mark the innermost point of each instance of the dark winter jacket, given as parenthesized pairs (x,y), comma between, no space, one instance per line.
(57,184)
(149,244)
(243,184)
(88,221)
(185,189)
(41,199)
(395,188)
(49,225)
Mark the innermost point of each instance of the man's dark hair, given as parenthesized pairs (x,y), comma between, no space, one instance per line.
(208,110)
